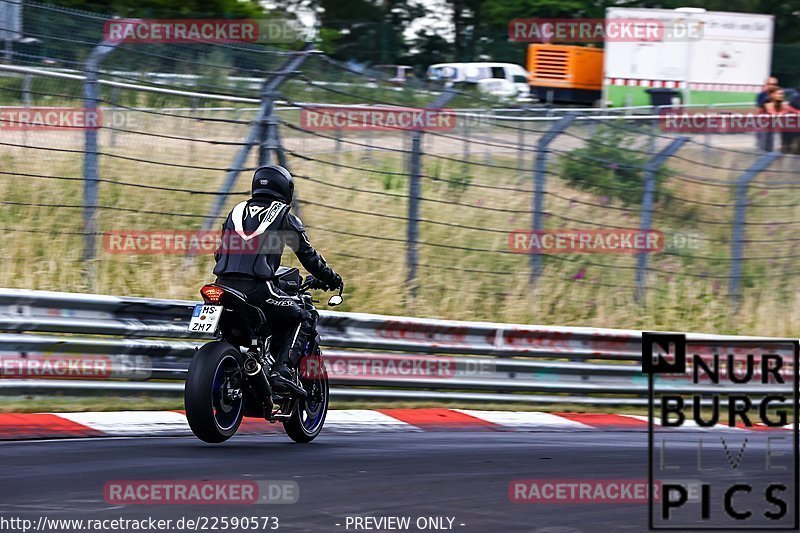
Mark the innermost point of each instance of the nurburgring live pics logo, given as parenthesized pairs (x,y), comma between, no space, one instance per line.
(747,479)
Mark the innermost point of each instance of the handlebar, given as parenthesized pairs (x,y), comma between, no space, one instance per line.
(313,283)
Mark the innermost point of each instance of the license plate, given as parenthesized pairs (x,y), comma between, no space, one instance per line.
(205,318)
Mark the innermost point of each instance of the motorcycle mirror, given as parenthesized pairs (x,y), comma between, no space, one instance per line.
(335,300)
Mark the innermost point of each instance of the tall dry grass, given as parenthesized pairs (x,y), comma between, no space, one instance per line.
(354,203)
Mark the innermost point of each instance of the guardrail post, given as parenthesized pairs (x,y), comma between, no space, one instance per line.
(91,97)
(738,230)
(414,194)
(540,181)
(650,171)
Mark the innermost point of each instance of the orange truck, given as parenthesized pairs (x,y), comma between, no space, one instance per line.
(565,74)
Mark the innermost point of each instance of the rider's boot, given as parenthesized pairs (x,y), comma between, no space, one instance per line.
(283,378)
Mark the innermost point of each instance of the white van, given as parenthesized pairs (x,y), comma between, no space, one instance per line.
(475,72)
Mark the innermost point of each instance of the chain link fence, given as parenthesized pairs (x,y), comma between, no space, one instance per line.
(434,222)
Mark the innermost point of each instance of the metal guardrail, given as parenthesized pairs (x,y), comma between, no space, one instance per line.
(143,344)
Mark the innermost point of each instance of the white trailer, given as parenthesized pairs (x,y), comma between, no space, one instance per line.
(707,56)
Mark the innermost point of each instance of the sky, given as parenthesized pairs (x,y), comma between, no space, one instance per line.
(438,20)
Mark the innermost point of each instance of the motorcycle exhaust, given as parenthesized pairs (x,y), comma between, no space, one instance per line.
(252,366)
(257,379)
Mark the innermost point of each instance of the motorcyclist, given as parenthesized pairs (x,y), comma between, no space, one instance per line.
(266,217)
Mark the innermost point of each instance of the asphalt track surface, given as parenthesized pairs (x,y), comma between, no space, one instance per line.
(460,474)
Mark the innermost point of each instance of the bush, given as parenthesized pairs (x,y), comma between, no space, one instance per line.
(610,164)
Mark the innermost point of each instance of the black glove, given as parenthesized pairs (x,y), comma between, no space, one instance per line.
(315,283)
(334,282)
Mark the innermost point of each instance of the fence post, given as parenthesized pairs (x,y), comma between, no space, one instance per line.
(194,106)
(487,139)
(521,145)
(338,144)
(267,140)
(91,97)
(539,182)
(650,170)
(366,157)
(253,137)
(269,143)
(414,189)
(414,194)
(466,136)
(737,238)
(26,90)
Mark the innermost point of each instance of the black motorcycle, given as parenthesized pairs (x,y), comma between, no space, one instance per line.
(227,377)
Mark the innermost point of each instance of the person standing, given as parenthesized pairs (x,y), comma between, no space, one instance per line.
(764,139)
(776,105)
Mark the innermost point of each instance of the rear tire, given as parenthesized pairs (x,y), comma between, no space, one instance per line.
(213,415)
(308,415)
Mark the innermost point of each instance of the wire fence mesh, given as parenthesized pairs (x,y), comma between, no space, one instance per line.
(175,116)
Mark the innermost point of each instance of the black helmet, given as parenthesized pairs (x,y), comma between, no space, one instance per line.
(274,181)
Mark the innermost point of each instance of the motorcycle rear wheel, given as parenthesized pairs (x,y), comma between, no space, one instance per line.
(214,395)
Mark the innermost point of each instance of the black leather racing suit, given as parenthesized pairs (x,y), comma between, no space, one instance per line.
(254,236)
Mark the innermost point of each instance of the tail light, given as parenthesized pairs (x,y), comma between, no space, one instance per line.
(211,293)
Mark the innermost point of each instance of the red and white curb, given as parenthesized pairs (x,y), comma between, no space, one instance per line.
(173,423)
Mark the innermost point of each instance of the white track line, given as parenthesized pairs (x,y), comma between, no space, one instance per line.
(131,422)
(353,420)
(525,420)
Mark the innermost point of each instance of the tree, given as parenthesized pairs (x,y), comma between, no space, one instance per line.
(369,31)
(169,8)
